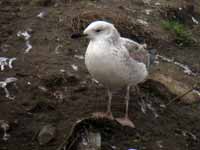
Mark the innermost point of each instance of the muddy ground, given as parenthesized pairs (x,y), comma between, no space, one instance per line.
(51,89)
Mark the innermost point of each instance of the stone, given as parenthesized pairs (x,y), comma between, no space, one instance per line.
(46,134)
(177,88)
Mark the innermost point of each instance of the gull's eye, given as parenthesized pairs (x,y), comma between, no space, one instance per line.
(98,30)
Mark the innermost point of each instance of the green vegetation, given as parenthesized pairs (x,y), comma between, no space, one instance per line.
(183,36)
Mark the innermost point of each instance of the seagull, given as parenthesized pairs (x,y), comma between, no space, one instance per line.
(116,62)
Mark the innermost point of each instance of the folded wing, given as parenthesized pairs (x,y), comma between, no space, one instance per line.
(137,51)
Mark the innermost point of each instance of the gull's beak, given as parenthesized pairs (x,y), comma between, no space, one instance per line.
(85,33)
(77,35)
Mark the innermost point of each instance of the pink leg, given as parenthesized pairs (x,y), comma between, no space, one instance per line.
(108,113)
(126,121)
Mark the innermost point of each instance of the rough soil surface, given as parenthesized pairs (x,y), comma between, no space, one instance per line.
(50,91)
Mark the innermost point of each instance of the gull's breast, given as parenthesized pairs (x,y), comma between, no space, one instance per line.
(105,65)
(113,67)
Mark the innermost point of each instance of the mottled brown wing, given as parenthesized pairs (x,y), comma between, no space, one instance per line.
(137,51)
(141,56)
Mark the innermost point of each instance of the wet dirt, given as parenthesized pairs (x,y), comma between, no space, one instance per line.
(50,91)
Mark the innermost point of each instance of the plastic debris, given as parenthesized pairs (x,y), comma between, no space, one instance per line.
(95,81)
(147,2)
(62,70)
(57,48)
(162,106)
(4,47)
(79,57)
(157,4)
(3,84)
(25,34)
(143,22)
(6,62)
(160,144)
(74,67)
(148,11)
(113,147)
(143,106)
(197,92)
(195,20)
(42,14)
(186,133)
(185,68)
(5,126)
(29,47)
(150,107)
(26,37)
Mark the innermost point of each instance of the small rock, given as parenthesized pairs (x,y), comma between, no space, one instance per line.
(46,134)
(177,88)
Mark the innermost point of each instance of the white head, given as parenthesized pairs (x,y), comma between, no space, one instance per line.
(99,30)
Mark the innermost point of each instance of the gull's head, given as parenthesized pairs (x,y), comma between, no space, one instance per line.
(100,30)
